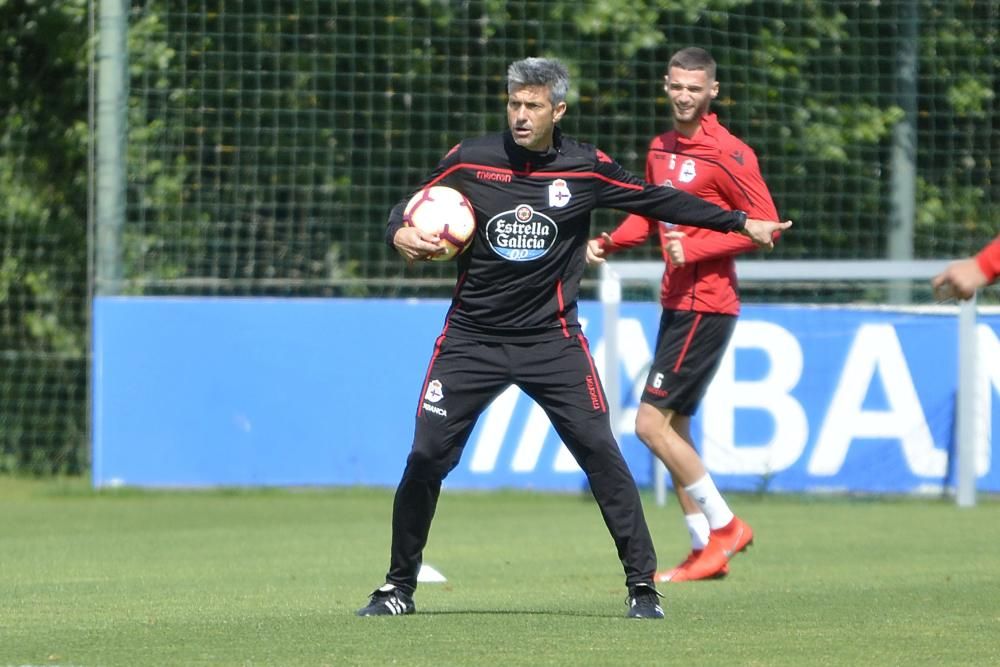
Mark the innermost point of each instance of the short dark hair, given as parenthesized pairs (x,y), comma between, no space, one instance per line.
(547,72)
(693,58)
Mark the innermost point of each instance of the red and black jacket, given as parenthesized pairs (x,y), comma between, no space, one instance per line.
(520,279)
(716,166)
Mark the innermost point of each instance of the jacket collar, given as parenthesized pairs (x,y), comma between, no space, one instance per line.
(709,127)
(522,157)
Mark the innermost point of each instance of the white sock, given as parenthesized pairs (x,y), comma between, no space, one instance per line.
(698,529)
(710,501)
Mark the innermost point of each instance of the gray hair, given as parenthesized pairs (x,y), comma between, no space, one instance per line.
(547,72)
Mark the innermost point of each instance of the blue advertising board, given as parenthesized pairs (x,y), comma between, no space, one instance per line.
(210,392)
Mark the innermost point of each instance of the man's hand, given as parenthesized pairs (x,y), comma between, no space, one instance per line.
(959,281)
(596,254)
(415,245)
(675,249)
(762,232)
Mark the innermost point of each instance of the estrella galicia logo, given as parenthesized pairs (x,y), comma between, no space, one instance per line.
(521,235)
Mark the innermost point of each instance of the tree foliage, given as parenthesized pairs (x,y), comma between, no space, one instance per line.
(267,140)
(43,267)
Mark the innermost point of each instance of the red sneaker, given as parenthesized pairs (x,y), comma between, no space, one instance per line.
(723,544)
(683,571)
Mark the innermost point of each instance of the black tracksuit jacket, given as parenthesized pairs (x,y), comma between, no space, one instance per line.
(520,279)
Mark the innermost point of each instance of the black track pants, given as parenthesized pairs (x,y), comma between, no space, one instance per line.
(463,377)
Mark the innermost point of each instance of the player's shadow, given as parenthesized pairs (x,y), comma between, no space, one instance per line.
(514,612)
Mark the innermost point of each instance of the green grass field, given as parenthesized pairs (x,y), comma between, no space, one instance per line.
(273,577)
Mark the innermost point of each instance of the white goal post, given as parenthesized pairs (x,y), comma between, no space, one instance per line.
(614,273)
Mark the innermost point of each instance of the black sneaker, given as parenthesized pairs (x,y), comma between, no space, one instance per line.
(643,602)
(388,601)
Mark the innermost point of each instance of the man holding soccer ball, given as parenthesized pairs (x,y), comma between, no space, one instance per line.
(513,318)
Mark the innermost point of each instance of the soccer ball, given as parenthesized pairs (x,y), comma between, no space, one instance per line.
(446,212)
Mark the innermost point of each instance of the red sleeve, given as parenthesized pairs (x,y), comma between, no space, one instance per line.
(633,231)
(988,260)
(746,191)
(712,246)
